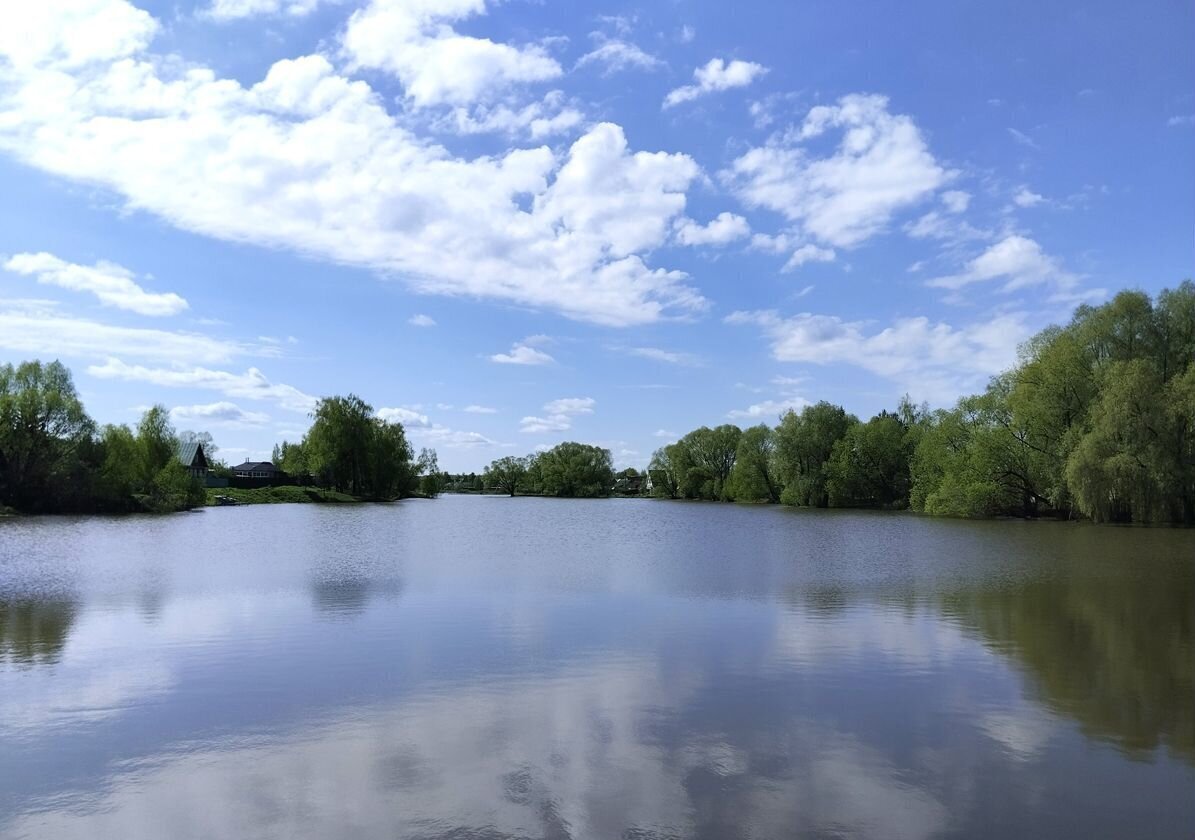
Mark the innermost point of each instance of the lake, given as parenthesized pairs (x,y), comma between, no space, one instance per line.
(486,668)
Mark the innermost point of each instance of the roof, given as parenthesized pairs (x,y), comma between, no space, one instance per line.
(191,454)
(256,466)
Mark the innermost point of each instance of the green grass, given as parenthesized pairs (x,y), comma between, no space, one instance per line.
(277,495)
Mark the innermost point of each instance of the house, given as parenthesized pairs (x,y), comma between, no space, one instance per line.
(191,456)
(256,469)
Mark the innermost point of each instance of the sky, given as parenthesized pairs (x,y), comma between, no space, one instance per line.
(509,224)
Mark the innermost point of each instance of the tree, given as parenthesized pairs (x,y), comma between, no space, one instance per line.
(205,440)
(869,466)
(576,470)
(42,427)
(754,476)
(664,482)
(804,444)
(431,481)
(506,474)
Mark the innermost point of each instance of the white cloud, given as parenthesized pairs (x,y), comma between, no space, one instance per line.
(438,435)
(522,354)
(687,34)
(225,10)
(726,228)
(217,414)
(1017,260)
(1026,197)
(409,417)
(930,360)
(113,285)
(716,75)
(880,166)
(252,384)
(311,161)
(1181,120)
(33,328)
(1023,139)
(553,423)
(545,118)
(421,321)
(414,40)
(769,409)
(616,56)
(479,409)
(956,201)
(672,357)
(808,253)
(560,414)
(664,433)
(571,406)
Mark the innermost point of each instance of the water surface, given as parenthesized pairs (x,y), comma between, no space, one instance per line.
(476,667)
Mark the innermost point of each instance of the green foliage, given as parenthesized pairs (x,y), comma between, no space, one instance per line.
(431,480)
(285,494)
(351,450)
(804,444)
(42,429)
(869,466)
(754,478)
(506,475)
(575,470)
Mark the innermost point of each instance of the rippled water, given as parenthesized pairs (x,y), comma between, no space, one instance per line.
(493,668)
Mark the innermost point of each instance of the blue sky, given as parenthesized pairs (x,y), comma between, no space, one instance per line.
(511,224)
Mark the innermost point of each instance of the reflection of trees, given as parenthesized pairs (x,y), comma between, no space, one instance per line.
(1114,654)
(34,632)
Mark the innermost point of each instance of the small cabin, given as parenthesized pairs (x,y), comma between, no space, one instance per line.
(256,469)
(191,456)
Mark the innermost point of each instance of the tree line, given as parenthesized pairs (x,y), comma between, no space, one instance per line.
(54,458)
(1096,420)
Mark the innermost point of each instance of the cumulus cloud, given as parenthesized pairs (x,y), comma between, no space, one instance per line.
(311,161)
(252,384)
(716,75)
(769,410)
(880,166)
(217,414)
(421,321)
(545,118)
(1017,260)
(225,10)
(616,56)
(112,285)
(808,253)
(479,409)
(726,228)
(522,354)
(415,41)
(560,414)
(409,417)
(1026,197)
(930,360)
(671,357)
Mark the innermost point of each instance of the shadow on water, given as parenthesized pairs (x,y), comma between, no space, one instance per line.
(34,632)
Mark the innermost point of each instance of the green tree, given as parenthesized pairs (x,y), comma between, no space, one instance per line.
(576,470)
(869,466)
(506,474)
(754,476)
(804,444)
(42,427)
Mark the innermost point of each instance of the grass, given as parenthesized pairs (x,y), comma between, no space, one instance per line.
(278,495)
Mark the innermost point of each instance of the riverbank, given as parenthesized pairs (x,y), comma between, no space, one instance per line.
(277,496)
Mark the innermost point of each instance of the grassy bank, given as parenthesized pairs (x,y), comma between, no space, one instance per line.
(277,495)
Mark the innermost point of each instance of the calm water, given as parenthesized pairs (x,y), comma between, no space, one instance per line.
(495,668)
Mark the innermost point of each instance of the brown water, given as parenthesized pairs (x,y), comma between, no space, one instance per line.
(496,668)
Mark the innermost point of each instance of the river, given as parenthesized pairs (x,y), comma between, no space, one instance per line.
(484,668)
